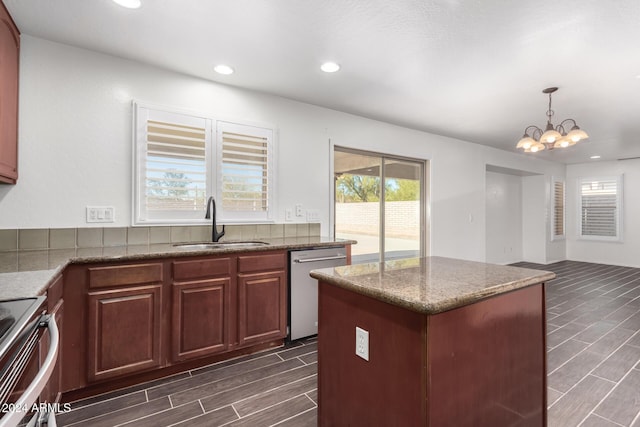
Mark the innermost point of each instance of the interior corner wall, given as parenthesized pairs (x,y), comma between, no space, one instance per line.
(626,252)
(503,218)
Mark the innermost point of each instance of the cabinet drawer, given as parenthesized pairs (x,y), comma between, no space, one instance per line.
(264,262)
(125,275)
(199,268)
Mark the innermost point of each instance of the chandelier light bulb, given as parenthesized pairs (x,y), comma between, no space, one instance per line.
(534,149)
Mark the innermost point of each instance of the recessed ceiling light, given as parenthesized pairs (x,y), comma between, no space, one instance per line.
(595,157)
(223,69)
(329,67)
(129,4)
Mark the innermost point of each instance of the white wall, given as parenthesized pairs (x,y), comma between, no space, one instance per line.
(626,252)
(534,219)
(503,218)
(75,146)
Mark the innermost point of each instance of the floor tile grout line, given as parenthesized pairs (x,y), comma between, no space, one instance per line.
(108,400)
(293,416)
(251,382)
(590,344)
(154,414)
(599,416)
(274,405)
(617,383)
(636,419)
(273,389)
(234,410)
(307,394)
(256,412)
(212,381)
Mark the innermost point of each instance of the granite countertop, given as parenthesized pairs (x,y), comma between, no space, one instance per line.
(27,273)
(431,285)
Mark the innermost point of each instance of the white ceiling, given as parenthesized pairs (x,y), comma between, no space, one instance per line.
(469,69)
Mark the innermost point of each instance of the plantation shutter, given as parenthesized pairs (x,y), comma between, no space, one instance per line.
(558,208)
(599,202)
(244,172)
(172,151)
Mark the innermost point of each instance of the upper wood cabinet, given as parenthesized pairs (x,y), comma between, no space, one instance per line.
(9,68)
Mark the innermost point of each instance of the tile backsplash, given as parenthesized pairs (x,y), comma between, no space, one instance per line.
(71,238)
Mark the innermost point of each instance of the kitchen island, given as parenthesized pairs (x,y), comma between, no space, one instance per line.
(450,343)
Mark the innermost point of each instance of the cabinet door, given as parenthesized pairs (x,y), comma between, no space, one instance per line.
(9,57)
(200,318)
(124,331)
(262,307)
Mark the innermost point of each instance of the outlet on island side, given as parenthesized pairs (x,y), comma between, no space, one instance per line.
(362,343)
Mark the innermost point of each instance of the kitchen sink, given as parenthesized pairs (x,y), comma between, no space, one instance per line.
(220,245)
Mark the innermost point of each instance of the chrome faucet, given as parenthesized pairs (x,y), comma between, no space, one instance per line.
(215,236)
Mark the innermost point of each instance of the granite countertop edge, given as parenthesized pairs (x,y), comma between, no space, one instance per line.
(25,283)
(437,306)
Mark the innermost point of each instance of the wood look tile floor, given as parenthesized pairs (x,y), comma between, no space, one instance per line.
(593,358)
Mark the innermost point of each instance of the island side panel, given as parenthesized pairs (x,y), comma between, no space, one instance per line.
(487,362)
(390,388)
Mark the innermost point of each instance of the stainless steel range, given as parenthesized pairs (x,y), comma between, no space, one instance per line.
(22,374)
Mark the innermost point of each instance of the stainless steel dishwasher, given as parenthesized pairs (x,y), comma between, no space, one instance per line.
(303,289)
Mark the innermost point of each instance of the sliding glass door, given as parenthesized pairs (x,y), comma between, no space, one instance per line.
(379,201)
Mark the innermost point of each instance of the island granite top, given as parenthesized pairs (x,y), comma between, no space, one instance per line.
(27,273)
(430,285)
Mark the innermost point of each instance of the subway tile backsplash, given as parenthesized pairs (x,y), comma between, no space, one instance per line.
(96,237)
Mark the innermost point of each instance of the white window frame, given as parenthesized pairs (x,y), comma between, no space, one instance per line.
(213,149)
(554,236)
(619,207)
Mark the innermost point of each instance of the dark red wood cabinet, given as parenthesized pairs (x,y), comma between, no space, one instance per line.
(201,317)
(126,320)
(9,72)
(124,331)
(480,365)
(262,298)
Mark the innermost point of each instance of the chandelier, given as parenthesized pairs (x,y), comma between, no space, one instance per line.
(536,139)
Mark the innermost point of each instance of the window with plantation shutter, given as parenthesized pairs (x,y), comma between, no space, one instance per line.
(177,166)
(244,171)
(557,222)
(600,208)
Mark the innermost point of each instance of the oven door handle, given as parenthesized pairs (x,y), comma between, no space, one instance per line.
(32,392)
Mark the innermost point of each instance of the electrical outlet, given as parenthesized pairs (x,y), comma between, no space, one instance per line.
(100,214)
(299,210)
(313,215)
(288,215)
(362,343)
